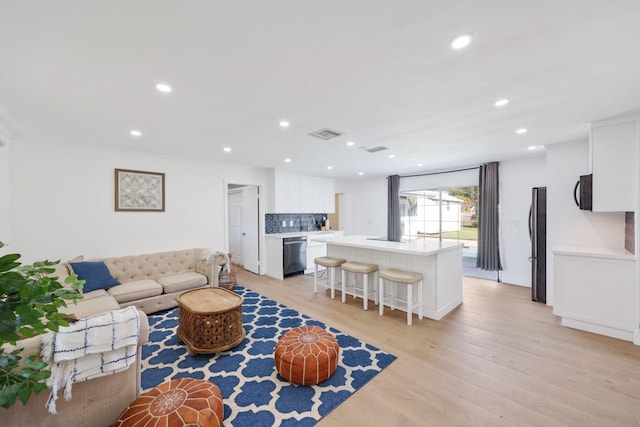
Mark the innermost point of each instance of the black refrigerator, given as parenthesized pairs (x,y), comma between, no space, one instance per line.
(538,236)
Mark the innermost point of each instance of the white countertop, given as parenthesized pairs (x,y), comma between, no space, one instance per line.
(414,247)
(301,234)
(615,253)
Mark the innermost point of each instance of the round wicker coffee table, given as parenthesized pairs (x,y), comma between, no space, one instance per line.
(210,320)
(184,402)
(306,355)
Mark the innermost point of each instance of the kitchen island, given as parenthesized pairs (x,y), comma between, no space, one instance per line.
(439,262)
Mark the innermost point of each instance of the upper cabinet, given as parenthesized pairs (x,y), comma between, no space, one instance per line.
(299,193)
(614,162)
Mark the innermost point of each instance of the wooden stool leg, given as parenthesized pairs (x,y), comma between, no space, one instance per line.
(365,291)
(409,304)
(355,283)
(344,286)
(381,296)
(315,280)
(420,300)
(331,274)
(394,285)
(375,288)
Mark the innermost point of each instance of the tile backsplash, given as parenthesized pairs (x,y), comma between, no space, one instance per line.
(273,223)
(630,232)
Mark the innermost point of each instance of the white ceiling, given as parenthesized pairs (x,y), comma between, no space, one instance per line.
(381,71)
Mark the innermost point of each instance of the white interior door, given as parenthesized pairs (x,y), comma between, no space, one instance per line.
(236,216)
(250,230)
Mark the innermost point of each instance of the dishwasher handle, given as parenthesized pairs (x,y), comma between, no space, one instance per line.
(294,240)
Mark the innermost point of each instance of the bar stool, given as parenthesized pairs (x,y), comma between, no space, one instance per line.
(364,269)
(331,264)
(409,278)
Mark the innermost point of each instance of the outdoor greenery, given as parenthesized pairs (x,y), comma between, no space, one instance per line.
(468,194)
(465,233)
(30,300)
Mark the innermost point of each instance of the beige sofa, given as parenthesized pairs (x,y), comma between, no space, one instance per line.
(151,282)
(95,403)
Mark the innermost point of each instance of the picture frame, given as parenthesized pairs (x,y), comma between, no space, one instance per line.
(139,191)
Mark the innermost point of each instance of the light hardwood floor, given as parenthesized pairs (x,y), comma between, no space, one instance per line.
(497,360)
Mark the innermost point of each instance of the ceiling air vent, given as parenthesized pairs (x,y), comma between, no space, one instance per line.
(375,149)
(326,134)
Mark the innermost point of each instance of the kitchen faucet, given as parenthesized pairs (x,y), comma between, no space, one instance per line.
(311,223)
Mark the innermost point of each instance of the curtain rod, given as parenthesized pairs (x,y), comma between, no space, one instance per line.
(438,173)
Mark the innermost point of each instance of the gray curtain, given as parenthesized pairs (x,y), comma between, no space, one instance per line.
(488,226)
(394,233)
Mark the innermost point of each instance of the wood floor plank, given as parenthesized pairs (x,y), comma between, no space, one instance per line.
(499,359)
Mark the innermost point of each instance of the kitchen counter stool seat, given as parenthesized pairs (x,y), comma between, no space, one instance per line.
(360,268)
(409,278)
(332,265)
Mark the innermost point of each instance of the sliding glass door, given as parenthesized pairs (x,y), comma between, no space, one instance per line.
(445,214)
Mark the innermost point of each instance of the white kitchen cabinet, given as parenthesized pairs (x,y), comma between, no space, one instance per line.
(614,161)
(324,191)
(274,257)
(299,193)
(595,290)
(314,250)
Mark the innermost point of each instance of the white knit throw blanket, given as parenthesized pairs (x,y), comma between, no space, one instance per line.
(89,348)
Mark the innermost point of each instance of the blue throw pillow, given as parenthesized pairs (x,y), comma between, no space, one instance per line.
(95,274)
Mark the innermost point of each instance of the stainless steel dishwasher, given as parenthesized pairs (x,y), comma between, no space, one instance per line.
(294,255)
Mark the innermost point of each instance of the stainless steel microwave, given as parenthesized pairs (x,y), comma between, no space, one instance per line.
(582,192)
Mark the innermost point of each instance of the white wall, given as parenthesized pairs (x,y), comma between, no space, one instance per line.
(368,204)
(63,203)
(5,189)
(517,178)
(566,223)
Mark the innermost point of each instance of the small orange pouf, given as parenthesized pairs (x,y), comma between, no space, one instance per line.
(307,355)
(183,402)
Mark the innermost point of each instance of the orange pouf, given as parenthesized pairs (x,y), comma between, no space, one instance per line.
(307,355)
(182,402)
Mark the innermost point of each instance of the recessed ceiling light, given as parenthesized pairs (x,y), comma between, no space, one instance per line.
(350,143)
(329,167)
(135,132)
(163,87)
(360,173)
(227,149)
(531,148)
(420,165)
(287,160)
(501,102)
(391,156)
(521,131)
(284,124)
(461,41)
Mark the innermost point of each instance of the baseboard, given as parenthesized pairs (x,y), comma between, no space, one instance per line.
(601,330)
(444,310)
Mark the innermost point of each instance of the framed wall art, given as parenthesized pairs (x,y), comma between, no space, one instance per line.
(139,191)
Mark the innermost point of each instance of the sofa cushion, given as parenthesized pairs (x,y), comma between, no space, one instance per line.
(182,282)
(95,274)
(139,289)
(61,271)
(94,294)
(91,306)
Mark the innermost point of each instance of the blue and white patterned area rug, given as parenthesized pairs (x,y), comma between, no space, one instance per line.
(253,392)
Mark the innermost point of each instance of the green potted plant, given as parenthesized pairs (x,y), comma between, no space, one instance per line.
(30,300)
